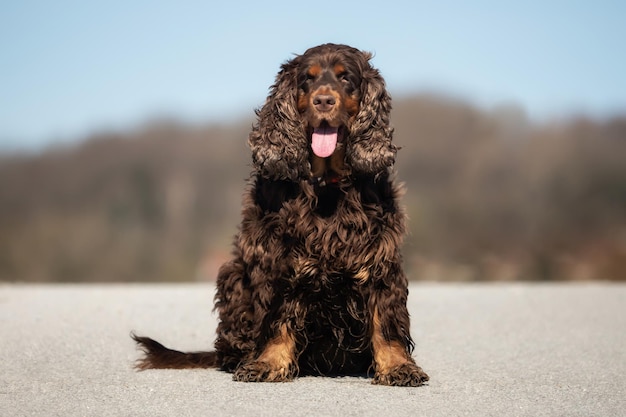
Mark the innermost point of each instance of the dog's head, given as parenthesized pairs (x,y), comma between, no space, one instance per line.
(327,111)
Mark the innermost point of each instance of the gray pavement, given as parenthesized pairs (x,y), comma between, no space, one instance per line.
(490,350)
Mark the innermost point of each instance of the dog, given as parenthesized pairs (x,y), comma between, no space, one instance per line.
(316,284)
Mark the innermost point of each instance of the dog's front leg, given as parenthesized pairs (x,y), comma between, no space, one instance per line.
(276,363)
(390,338)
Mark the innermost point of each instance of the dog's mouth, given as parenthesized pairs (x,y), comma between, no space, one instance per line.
(324,139)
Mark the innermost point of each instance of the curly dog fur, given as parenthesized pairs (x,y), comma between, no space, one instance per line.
(316,285)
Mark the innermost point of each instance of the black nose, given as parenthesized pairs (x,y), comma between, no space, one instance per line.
(324,102)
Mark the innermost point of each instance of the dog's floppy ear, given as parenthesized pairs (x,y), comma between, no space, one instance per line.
(370,150)
(278,138)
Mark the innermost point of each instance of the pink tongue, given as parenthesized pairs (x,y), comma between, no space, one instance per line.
(324,141)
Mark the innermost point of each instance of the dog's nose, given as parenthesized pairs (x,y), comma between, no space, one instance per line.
(324,102)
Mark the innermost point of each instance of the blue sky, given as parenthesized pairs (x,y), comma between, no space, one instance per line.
(68,68)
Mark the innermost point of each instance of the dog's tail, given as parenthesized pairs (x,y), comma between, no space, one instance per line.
(158,356)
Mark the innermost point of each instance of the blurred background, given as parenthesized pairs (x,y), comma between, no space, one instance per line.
(123,129)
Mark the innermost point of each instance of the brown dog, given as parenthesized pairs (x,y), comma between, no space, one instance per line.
(316,284)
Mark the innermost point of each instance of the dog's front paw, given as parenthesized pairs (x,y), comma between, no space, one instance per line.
(259,371)
(405,375)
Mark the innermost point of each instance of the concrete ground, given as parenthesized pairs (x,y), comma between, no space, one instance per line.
(490,350)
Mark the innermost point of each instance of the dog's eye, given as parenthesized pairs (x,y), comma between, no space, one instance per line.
(305,80)
(346,80)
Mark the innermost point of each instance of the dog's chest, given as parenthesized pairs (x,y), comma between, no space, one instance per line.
(336,238)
